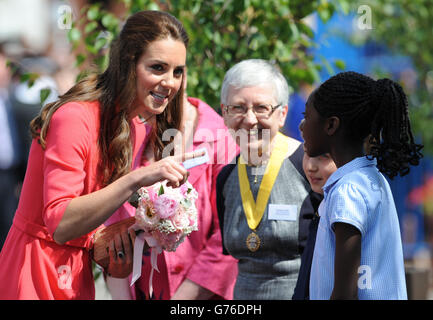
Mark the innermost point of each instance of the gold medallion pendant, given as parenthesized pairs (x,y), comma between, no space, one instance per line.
(253,242)
(253,210)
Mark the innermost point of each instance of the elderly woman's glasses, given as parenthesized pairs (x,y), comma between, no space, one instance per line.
(261,111)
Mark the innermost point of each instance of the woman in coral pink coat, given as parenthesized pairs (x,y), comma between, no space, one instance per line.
(79,170)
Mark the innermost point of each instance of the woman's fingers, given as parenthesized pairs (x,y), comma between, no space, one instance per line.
(112,251)
(174,172)
(173,178)
(170,169)
(177,166)
(126,241)
(189,155)
(176,169)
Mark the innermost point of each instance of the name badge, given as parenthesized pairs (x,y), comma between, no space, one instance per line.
(191,163)
(288,212)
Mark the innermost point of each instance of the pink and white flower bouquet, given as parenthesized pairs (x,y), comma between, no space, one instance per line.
(166,215)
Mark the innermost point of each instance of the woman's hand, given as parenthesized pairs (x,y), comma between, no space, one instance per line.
(121,254)
(85,213)
(169,168)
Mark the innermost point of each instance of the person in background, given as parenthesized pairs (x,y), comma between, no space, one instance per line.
(26,99)
(11,153)
(259,197)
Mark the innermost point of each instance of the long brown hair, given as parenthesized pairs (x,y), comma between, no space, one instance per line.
(115,89)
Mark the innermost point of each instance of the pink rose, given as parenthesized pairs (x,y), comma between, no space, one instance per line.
(180,219)
(169,241)
(184,189)
(165,206)
(152,194)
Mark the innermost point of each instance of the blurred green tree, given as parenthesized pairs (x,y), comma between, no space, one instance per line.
(222,33)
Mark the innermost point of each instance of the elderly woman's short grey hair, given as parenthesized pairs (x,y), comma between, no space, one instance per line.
(255,73)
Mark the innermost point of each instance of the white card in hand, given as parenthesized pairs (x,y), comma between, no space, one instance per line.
(190,163)
(288,212)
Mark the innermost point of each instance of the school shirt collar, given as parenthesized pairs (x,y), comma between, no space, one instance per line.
(349,167)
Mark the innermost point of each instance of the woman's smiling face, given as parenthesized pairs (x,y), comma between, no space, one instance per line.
(254,134)
(159,75)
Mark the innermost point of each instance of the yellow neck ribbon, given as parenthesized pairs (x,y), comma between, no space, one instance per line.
(254,210)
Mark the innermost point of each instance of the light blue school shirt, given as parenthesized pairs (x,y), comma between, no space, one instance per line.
(358,194)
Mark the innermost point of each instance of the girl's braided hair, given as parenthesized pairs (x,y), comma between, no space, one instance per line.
(378,109)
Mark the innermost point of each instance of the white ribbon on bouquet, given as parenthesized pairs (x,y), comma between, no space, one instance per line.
(155,249)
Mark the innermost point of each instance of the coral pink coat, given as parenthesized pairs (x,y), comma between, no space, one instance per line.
(199,258)
(32,265)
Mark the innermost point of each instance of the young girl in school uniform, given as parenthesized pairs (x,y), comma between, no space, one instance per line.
(358,252)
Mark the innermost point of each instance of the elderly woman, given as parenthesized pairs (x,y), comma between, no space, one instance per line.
(259,197)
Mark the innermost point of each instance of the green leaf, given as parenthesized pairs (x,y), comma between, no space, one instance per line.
(196,8)
(90,27)
(344,6)
(109,21)
(74,35)
(93,12)
(100,43)
(295,32)
(96,270)
(80,59)
(161,190)
(214,83)
(340,64)
(44,94)
(82,75)
(24,77)
(325,11)
(305,29)
(12,66)
(102,62)
(29,77)
(153,6)
(91,49)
